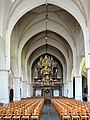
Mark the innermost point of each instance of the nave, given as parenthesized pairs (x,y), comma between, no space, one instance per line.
(50,109)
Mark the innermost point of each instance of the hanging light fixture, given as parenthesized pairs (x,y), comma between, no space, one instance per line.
(46,23)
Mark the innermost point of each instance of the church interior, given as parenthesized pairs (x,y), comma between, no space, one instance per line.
(44,59)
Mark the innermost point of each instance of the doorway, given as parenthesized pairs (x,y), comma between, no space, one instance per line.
(11,95)
(84,88)
(47,94)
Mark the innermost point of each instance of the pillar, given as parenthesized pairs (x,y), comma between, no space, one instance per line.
(62,89)
(17,88)
(28,90)
(70,89)
(88,80)
(24,89)
(4,86)
(78,88)
(31,89)
(65,90)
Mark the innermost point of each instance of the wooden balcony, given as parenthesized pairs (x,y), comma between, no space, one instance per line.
(51,84)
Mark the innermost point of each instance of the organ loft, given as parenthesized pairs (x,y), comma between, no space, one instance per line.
(47,80)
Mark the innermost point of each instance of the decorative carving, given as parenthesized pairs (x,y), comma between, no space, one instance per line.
(46,72)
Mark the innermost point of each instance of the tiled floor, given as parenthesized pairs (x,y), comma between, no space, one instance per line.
(48,113)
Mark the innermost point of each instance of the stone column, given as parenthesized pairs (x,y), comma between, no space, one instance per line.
(62,89)
(24,89)
(88,83)
(70,89)
(17,88)
(31,89)
(4,86)
(78,88)
(28,90)
(65,89)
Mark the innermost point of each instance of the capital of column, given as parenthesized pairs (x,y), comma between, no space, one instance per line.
(31,84)
(17,77)
(78,76)
(69,81)
(24,81)
(28,83)
(4,70)
(87,68)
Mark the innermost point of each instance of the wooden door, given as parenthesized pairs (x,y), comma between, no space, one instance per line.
(47,94)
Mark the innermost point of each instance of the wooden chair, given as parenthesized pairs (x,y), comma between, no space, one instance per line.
(64,115)
(83,115)
(74,115)
(35,117)
(8,115)
(26,115)
(17,115)
(1,117)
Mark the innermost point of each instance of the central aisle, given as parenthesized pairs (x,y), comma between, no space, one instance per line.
(48,112)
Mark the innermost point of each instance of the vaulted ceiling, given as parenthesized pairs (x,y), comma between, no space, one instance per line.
(30,30)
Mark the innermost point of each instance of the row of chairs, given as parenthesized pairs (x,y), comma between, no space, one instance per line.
(37,111)
(21,110)
(71,109)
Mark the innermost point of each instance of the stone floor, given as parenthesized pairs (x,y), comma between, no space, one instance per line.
(48,113)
